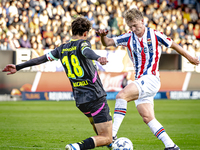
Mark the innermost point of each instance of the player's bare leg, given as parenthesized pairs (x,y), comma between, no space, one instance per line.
(104,136)
(93,125)
(129,93)
(146,111)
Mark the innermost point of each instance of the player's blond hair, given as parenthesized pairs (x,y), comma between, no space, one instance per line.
(133,14)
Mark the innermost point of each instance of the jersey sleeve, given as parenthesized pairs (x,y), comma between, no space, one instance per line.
(87,51)
(163,39)
(85,44)
(122,40)
(53,55)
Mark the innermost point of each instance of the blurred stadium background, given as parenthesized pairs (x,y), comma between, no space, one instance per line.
(31,28)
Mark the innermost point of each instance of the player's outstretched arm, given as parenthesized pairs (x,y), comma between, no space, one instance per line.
(10,68)
(104,39)
(185,53)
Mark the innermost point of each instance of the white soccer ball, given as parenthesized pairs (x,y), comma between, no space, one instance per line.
(122,143)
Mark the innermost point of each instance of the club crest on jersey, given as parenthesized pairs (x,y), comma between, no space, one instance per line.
(49,57)
(84,44)
(149,41)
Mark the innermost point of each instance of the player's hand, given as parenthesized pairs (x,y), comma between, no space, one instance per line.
(102,32)
(102,60)
(11,68)
(195,60)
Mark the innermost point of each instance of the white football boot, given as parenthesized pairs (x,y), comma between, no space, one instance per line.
(74,146)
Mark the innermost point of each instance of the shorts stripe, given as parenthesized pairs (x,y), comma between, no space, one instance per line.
(95,77)
(95,113)
(86,113)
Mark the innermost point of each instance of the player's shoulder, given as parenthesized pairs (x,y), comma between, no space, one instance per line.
(157,32)
(85,43)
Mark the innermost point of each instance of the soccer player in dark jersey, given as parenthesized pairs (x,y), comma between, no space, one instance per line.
(77,58)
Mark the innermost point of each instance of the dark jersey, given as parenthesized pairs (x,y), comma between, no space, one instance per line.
(80,70)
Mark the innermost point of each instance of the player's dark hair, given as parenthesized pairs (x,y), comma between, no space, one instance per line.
(80,25)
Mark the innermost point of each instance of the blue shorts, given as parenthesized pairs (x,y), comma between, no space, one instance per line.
(98,110)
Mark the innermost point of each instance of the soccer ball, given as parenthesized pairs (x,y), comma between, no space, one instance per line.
(122,143)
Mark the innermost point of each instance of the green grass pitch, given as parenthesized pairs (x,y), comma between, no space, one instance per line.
(50,125)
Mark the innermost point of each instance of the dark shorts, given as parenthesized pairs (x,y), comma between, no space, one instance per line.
(98,110)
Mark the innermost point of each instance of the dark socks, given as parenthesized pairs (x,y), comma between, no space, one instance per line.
(87,144)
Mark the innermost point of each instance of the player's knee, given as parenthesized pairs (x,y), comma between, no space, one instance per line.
(146,119)
(120,96)
(109,140)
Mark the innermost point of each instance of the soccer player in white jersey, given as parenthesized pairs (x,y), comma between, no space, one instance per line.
(144,48)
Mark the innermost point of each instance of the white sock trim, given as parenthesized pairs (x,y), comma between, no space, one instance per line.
(94,141)
(119,114)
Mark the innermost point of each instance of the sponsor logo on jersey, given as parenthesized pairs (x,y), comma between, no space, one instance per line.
(69,49)
(82,83)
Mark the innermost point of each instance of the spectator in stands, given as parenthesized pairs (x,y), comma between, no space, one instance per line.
(50,10)
(48,33)
(19,7)
(24,19)
(48,43)
(36,52)
(67,18)
(15,40)
(29,9)
(90,17)
(179,20)
(6,7)
(44,17)
(190,32)
(66,4)
(11,43)
(181,31)
(41,27)
(33,40)
(186,13)
(193,16)
(35,22)
(37,31)
(60,10)
(196,31)
(63,12)
(4,46)
(185,23)
(3,37)
(24,41)
(42,4)
(13,9)
(30,15)
(39,39)
(16,20)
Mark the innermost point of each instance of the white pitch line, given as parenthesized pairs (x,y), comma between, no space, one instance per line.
(34,147)
(36,81)
(186,81)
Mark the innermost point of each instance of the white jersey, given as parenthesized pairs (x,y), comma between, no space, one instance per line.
(144,52)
